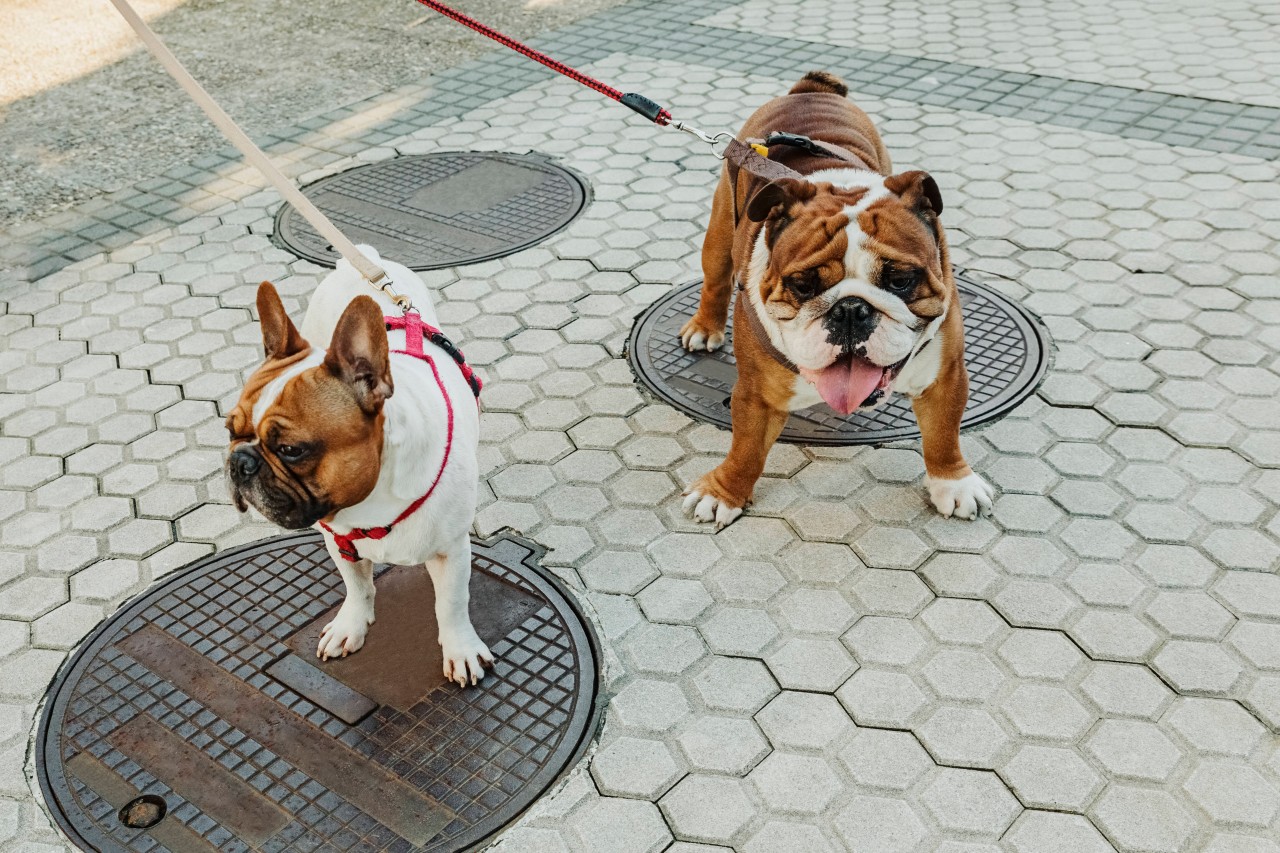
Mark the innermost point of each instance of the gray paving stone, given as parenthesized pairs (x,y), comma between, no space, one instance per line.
(973,801)
(634,767)
(1053,832)
(713,809)
(1142,819)
(622,825)
(879,823)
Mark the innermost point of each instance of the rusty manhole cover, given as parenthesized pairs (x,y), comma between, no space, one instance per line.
(198,718)
(439,210)
(1006,348)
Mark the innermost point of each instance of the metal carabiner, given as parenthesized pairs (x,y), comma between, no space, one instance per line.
(386,285)
(723,137)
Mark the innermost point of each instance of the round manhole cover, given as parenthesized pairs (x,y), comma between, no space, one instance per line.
(1006,348)
(439,210)
(198,718)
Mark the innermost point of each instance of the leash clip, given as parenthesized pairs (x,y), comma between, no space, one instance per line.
(723,137)
(387,286)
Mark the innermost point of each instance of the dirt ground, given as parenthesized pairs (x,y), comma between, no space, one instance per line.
(84,109)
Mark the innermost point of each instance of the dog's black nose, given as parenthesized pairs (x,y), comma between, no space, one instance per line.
(851,310)
(245,462)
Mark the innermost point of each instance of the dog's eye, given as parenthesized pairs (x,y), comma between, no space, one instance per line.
(290,452)
(900,280)
(804,285)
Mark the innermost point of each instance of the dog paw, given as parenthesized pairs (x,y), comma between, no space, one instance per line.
(968,497)
(465,657)
(696,335)
(701,503)
(344,635)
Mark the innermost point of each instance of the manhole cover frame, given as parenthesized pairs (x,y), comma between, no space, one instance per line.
(1032,372)
(282,231)
(587,716)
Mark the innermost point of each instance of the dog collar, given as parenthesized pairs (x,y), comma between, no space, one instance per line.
(761,334)
(415,332)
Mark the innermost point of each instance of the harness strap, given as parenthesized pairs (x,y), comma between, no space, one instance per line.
(415,332)
(745,309)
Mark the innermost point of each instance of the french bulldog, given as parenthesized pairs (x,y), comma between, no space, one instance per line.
(343,429)
(845,297)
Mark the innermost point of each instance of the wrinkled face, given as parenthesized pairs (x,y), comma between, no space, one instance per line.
(851,277)
(306,435)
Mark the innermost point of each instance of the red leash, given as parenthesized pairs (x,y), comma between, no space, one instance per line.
(650,109)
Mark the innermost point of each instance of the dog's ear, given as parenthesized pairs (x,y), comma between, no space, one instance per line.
(280,338)
(917,190)
(778,194)
(358,354)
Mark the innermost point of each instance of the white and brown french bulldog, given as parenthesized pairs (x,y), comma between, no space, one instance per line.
(846,297)
(319,439)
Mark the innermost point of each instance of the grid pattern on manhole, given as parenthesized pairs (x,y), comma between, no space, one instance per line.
(485,753)
(407,208)
(1006,350)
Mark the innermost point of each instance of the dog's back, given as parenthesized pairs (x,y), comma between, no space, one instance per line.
(344,284)
(817,107)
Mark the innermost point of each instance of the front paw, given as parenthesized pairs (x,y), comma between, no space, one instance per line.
(968,497)
(706,502)
(465,656)
(345,634)
(700,335)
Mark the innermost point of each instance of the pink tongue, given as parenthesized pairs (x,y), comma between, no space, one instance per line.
(846,382)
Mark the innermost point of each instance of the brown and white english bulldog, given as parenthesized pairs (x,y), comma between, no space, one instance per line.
(350,438)
(846,296)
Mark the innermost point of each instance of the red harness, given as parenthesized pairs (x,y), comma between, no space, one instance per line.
(415,331)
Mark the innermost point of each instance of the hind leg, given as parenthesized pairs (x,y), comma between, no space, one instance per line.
(705,329)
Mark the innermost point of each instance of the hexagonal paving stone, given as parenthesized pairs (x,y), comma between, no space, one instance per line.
(1042,711)
(1233,794)
(1215,726)
(734,684)
(1130,749)
(973,801)
(1052,832)
(794,784)
(783,837)
(632,767)
(707,808)
(803,663)
(890,593)
(804,721)
(877,698)
(621,824)
(664,649)
(879,758)
(1051,778)
(1126,690)
(1141,819)
(728,745)
(891,548)
(1197,667)
(964,737)
(880,824)
(962,675)
(650,705)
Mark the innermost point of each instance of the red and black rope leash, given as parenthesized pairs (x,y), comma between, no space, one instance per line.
(646,107)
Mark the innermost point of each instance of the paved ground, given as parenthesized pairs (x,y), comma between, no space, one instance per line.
(1096,667)
(87,111)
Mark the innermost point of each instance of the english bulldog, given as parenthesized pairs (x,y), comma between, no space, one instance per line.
(318,438)
(845,296)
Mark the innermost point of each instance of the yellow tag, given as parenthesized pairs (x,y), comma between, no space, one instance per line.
(760,149)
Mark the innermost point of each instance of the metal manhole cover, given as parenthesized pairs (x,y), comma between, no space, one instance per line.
(200,715)
(1006,348)
(439,210)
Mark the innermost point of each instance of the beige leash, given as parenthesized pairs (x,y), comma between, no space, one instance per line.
(374,274)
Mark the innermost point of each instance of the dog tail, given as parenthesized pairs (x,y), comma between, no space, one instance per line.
(820,81)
